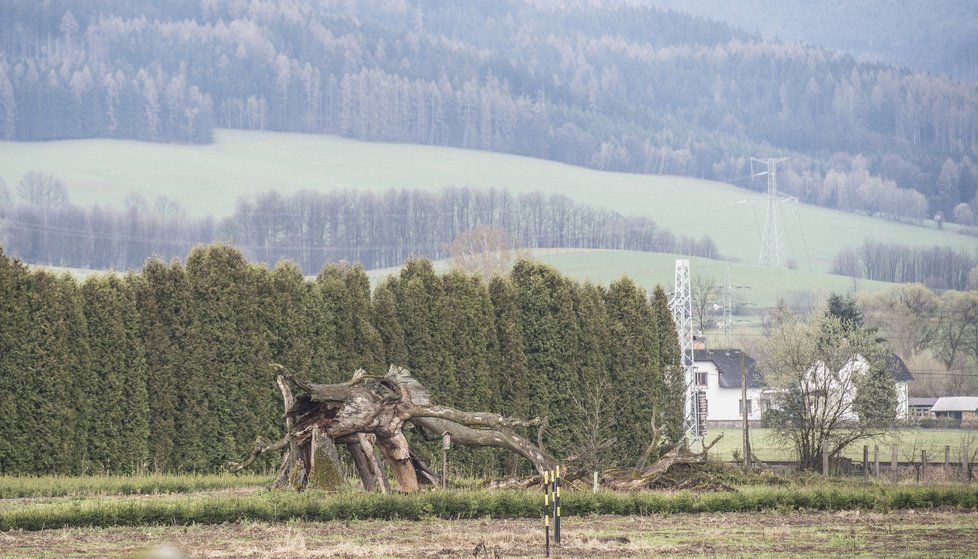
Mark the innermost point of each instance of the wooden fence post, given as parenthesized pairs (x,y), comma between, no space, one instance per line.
(876,459)
(947,460)
(825,457)
(865,462)
(893,462)
(966,461)
(923,465)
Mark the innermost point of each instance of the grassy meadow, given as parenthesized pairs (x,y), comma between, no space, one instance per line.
(909,444)
(209,179)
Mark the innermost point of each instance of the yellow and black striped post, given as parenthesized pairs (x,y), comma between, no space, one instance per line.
(557,507)
(546,509)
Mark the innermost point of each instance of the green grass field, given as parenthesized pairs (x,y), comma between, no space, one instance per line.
(209,179)
(909,444)
(756,288)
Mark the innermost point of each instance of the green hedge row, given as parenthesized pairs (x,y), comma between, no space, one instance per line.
(13,487)
(312,506)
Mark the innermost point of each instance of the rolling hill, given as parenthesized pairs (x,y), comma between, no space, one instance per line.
(210,178)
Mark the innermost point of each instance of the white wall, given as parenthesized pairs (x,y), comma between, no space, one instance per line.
(723,404)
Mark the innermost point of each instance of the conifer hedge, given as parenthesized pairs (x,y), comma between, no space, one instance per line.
(167,370)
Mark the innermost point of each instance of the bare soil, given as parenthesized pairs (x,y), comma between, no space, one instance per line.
(942,534)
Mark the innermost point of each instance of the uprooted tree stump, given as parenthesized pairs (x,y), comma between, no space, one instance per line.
(676,469)
(367,412)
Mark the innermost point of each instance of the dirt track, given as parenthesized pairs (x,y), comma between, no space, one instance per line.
(847,534)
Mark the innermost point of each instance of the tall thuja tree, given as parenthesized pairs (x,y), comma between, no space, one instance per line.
(230,346)
(45,409)
(290,311)
(175,383)
(594,409)
(417,292)
(508,360)
(634,364)
(671,406)
(368,346)
(545,300)
(17,335)
(388,326)
(345,294)
(119,436)
(467,338)
(83,378)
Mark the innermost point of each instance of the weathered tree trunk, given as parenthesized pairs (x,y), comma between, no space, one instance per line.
(367,411)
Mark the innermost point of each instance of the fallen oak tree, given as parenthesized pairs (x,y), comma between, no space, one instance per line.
(367,412)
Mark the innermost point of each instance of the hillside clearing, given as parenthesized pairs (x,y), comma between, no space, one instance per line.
(210,178)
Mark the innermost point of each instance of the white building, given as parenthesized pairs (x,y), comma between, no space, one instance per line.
(718,373)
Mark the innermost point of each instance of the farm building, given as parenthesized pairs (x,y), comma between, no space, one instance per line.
(960,408)
(718,373)
(920,407)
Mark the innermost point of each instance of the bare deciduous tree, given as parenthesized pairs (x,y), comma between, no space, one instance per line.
(43,190)
(706,297)
(485,250)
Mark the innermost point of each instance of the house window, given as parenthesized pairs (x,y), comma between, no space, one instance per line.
(742,408)
(700,378)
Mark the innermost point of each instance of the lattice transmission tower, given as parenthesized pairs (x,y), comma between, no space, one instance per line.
(772,239)
(681,306)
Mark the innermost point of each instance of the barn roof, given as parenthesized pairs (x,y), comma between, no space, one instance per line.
(956,403)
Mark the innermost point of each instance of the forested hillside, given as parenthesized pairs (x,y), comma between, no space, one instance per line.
(596,84)
(935,36)
(168,370)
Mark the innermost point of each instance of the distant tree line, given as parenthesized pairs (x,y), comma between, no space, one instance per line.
(625,88)
(168,370)
(936,267)
(314,228)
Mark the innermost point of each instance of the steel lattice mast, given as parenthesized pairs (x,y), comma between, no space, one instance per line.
(681,306)
(772,243)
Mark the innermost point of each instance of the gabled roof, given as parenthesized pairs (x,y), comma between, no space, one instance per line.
(891,364)
(896,367)
(956,403)
(921,402)
(728,365)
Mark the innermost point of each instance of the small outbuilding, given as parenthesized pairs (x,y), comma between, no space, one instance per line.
(960,408)
(920,407)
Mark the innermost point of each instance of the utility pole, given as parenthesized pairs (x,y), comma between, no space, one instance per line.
(727,307)
(772,243)
(748,462)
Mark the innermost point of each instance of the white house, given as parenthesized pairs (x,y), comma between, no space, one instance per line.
(901,376)
(718,374)
(717,371)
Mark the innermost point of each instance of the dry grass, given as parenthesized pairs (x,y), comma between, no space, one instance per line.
(796,534)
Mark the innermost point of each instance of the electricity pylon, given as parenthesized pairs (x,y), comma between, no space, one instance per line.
(772,243)
(681,306)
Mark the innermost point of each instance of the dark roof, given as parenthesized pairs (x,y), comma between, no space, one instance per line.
(728,364)
(921,402)
(896,367)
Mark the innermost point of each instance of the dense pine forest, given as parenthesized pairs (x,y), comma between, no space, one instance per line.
(600,84)
(168,370)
